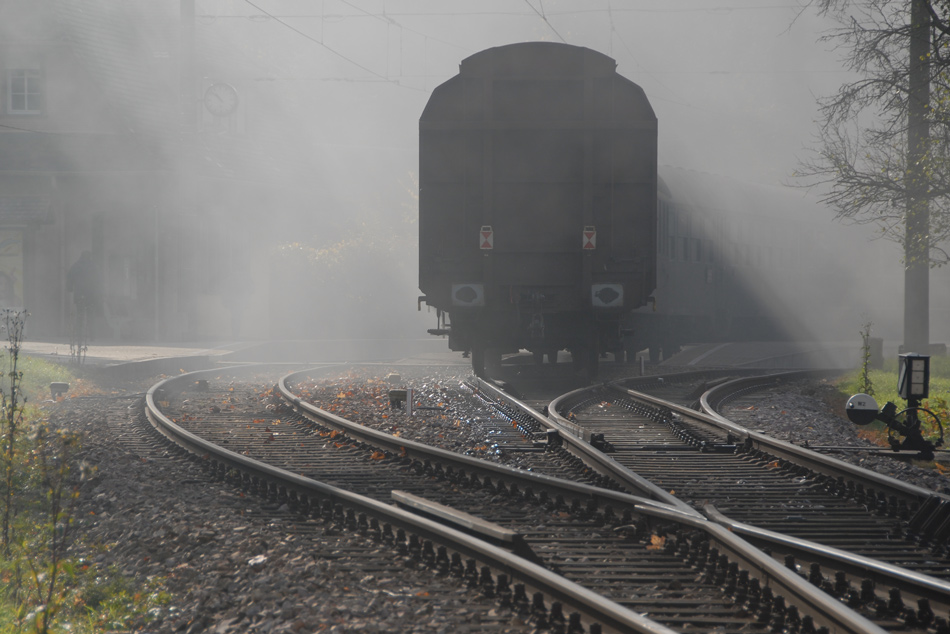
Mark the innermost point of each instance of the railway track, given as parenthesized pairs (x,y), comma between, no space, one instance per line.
(602,557)
(818,513)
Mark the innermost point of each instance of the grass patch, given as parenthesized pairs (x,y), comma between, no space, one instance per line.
(38,373)
(44,588)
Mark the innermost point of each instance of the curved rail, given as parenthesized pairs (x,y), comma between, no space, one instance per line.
(424,453)
(595,609)
(593,458)
(713,399)
(912,585)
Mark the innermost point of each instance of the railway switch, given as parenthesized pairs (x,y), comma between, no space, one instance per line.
(862,409)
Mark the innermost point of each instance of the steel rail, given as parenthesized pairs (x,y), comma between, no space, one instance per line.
(593,458)
(425,453)
(781,449)
(805,596)
(859,567)
(593,607)
(823,609)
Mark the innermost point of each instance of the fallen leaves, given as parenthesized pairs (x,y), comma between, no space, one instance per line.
(656,542)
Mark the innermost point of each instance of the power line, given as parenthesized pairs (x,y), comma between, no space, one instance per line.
(416,14)
(615,32)
(543,17)
(335,52)
(386,17)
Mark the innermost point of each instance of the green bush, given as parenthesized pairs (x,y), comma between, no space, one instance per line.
(42,589)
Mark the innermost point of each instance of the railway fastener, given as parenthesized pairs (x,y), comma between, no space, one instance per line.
(792,618)
(867,591)
(924,613)
(428,552)
(742,587)
(471,572)
(456,567)
(486,583)
(778,614)
(842,585)
(574,623)
(766,601)
(414,547)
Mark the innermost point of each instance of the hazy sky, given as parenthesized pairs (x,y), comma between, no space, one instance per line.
(733,82)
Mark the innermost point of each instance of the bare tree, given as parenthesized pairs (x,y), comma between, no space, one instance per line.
(884,155)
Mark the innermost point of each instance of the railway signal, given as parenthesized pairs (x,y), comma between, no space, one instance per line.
(913,385)
(913,378)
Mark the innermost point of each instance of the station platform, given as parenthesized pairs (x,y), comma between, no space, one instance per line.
(159,358)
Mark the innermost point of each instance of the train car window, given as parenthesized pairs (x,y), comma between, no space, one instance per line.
(698,250)
(686,249)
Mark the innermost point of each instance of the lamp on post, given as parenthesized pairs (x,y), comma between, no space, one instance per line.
(913,377)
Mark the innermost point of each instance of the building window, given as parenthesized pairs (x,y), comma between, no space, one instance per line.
(24,91)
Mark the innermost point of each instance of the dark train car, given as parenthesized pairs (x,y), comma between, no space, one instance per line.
(739,261)
(537,202)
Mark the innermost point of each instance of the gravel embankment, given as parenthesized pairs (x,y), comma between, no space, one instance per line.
(230,565)
(804,412)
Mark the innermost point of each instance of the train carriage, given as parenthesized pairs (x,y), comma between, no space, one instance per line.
(537,202)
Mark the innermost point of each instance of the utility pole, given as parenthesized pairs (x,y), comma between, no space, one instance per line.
(917,221)
(176,257)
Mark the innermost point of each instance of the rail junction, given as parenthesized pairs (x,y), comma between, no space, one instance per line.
(626,512)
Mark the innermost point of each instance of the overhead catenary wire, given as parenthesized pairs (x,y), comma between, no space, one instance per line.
(544,17)
(330,49)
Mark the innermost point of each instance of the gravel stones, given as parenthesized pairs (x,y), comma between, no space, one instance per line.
(236,564)
(803,413)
